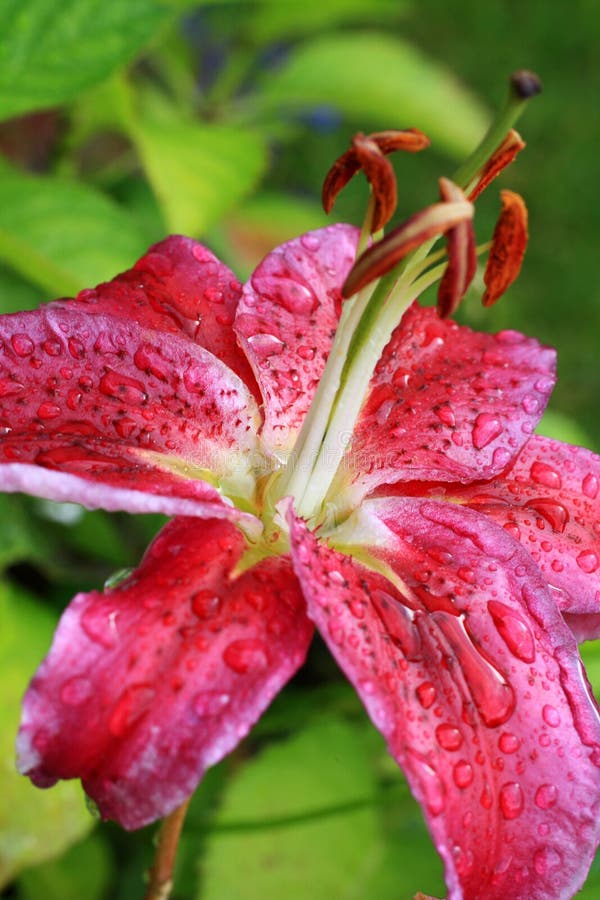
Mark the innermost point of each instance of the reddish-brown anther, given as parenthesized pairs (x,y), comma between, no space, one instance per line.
(416,230)
(502,157)
(368,153)
(508,247)
(462,256)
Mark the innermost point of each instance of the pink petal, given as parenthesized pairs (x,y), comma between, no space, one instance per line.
(448,404)
(107,400)
(178,287)
(286,320)
(549,499)
(467,668)
(149,683)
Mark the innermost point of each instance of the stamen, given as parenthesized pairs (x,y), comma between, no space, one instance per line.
(509,242)
(367,153)
(419,228)
(512,144)
(462,256)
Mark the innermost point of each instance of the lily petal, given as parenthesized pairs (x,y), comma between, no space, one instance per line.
(465,665)
(108,400)
(423,418)
(549,499)
(178,287)
(286,320)
(148,684)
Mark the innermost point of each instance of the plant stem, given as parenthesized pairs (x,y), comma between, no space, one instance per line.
(160,875)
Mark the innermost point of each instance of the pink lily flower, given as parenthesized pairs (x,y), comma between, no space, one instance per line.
(447,560)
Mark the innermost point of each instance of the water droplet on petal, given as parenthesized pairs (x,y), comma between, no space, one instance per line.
(492,695)
(544,474)
(206,604)
(266,345)
(426,694)
(462,774)
(22,344)
(486,429)
(530,404)
(463,860)
(210,703)
(513,630)
(76,690)
(398,621)
(49,410)
(588,561)
(508,743)
(501,457)
(76,348)
(246,655)
(310,242)
(551,716)
(306,353)
(555,514)
(53,347)
(430,782)
(511,800)
(336,631)
(546,796)
(100,626)
(590,486)
(445,414)
(448,737)
(133,703)
(121,387)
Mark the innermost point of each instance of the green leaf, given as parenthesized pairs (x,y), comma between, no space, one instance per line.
(303,809)
(198,172)
(35,825)
(83,871)
(52,49)
(273,21)
(556,425)
(61,235)
(16,293)
(379,82)
(19,541)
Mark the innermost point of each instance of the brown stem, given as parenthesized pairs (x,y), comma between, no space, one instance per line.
(160,876)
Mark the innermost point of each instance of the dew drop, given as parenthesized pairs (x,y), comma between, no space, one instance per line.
(121,387)
(22,344)
(445,414)
(76,348)
(463,860)
(430,782)
(554,513)
(266,345)
(462,773)
(246,655)
(448,737)
(53,347)
(9,387)
(508,743)
(588,561)
(310,242)
(511,800)
(530,404)
(132,704)
(76,690)
(501,457)
(48,410)
(485,430)
(398,621)
(100,626)
(513,630)
(336,631)
(213,295)
(426,694)
(590,486)
(147,358)
(551,716)
(491,694)
(305,352)
(206,604)
(544,474)
(546,796)
(297,298)
(210,703)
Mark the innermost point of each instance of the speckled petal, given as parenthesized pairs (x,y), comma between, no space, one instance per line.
(112,402)
(467,668)
(550,501)
(178,287)
(286,320)
(448,404)
(151,682)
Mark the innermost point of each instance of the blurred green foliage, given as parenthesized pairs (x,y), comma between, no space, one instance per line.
(219,119)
